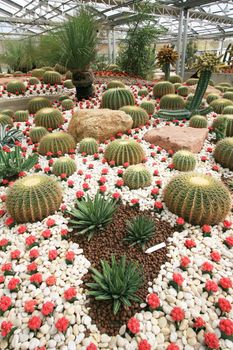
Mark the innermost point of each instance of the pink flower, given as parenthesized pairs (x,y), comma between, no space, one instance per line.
(36,278)
(29,306)
(215,256)
(34,253)
(6,327)
(32,268)
(225,283)
(46,233)
(13,284)
(30,240)
(229,241)
(158,205)
(64,232)
(199,323)
(6,267)
(144,345)
(70,256)
(224,305)
(133,325)
(173,346)
(22,229)
(177,314)
(226,326)
(153,301)
(207,267)
(15,254)
(227,224)
(9,222)
(206,228)
(70,294)
(34,323)
(52,254)
(180,221)
(62,324)
(5,303)
(50,222)
(177,278)
(91,346)
(51,281)
(79,194)
(116,195)
(184,261)
(47,308)
(190,243)
(211,286)
(211,341)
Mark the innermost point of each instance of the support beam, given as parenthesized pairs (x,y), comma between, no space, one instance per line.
(28,21)
(195,3)
(185,32)
(113,45)
(179,41)
(109,47)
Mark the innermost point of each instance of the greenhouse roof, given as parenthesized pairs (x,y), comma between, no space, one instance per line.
(210,19)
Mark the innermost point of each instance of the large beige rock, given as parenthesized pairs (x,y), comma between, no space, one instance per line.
(98,123)
(176,138)
(210,90)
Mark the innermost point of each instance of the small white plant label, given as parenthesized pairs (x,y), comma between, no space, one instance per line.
(155,247)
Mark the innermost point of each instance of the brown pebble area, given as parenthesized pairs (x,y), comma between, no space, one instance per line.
(103,245)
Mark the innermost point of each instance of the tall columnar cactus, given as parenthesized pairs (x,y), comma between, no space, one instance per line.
(67,104)
(58,143)
(69,84)
(228,95)
(37,103)
(8,112)
(124,151)
(52,78)
(37,133)
(183,91)
(33,81)
(64,165)
(6,120)
(21,116)
(117,98)
(219,105)
(207,63)
(211,97)
(50,118)
(175,79)
(137,176)
(88,145)
(166,57)
(115,84)
(148,106)
(223,153)
(172,102)
(228,110)
(138,114)
(16,87)
(38,73)
(163,88)
(184,160)
(198,121)
(199,199)
(33,198)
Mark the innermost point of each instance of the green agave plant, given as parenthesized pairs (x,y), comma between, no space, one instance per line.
(8,137)
(139,231)
(118,282)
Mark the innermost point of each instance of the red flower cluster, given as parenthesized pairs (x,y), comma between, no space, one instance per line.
(13,284)
(70,294)
(91,346)
(215,256)
(6,328)
(207,267)
(52,254)
(190,243)
(153,301)
(178,279)
(211,286)
(173,346)
(47,308)
(34,323)
(62,324)
(224,305)
(34,253)
(5,303)
(177,314)
(225,283)
(229,241)
(144,345)
(29,306)
(211,341)
(184,262)
(70,256)
(226,326)
(36,279)
(180,221)
(133,325)
(199,323)
(15,254)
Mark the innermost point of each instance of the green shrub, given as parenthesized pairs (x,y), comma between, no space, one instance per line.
(124,151)
(64,165)
(199,199)
(184,160)
(137,176)
(192,81)
(219,105)
(175,79)
(56,143)
(223,153)
(142,92)
(115,84)
(90,216)
(211,97)
(88,145)
(8,137)
(139,230)
(21,116)
(50,118)
(38,73)
(198,121)
(68,84)
(34,81)
(118,282)
(37,133)
(6,120)
(33,198)
(37,103)
(52,78)
(148,106)
(138,114)
(8,112)
(16,86)
(228,95)
(183,91)
(67,104)
(163,88)
(117,98)
(172,102)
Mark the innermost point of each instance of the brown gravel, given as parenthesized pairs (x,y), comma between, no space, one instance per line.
(103,245)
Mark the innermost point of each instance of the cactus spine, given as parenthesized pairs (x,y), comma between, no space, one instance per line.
(198,121)
(117,98)
(56,143)
(88,145)
(50,118)
(184,161)
(137,176)
(138,114)
(37,133)
(124,151)
(64,165)
(223,153)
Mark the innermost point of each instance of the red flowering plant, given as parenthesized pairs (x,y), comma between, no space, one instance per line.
(51,280)
(173,346)
(13,285)
(7,269)
(62,324)
(228,242)
(177,314)
(158,206)
(31,242)
(70,256)
(50,222)
(46,233)
(211,341)
(184,262)
(226,328)
(10,222)
(36,279)
(52,254)
(144,345)
(5,304)
(153,302)
(4,243)
(206,229)
(32,268)
(224,305)
(70,294)
(211,287)
(34,323)
(226,225)
(225,283)
(134,202)
(91,346)
(47,308)
(207,268)
(15,254)
(33,254)
(22,229)
(154,192)
(30,305)
(176,281)
(198,324)
(179,224)
(7,329)
(190,243)
(215,256)
(133,326)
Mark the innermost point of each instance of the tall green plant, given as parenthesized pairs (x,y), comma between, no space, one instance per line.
(191,51)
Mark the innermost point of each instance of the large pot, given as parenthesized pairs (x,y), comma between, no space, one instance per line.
(83,81)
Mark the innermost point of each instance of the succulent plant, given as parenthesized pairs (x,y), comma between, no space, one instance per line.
(6,120)
(57,143)
(88,145)
(60,69)
(229,125)
(230,89)
(33,198)
(173,114)
(63,97)
(38,73)
(115,84)
(228,110)
(163,88)
(137,176)
(211,97)
(16,87)
(148,106)
(142,92)
(8,137)
(228,95)
(37,133)
(69,75)
(219,105)
(46,68)
(124,151)
(52,78)
(219,126)
(175,79)
(21,116)
(139,230)
(183,91)
(177,85)
(221,88)
(64,165)
(223,153)
(192,81)
(184,160)
(113,67)
(48,117)
(172,102)
(138,114)
(33,81)
(67,104)
(117,98)
(69,84)
(198,121)
(166,56)
(118,282)
(37,103)
(8,112)
(225,84)
(197,198)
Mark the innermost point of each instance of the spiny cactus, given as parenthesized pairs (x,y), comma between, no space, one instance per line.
(117,98)
(142,92)
(138,114)
(69,75)
(60,69)
(38,73)
(228,95)
(16,87)
(221,88)
(37,103)
(197,198)
(219,126)
(68,84)
(166,57)
(50,118)
(47,68)
(219,105)
(212,97)
(63,97)
(223,153)
(229,124)
(183,91)
(6,120)
(148,106)
(33,198)
(225,84)
(172,102)
(64,165)
(56,143)
(198,121)
(173,114)
(67,104)
(230,89)
(37,133)
(52,78)
(192,81)
(8,112)
(163,88)
(175,79)
(21,116)
(124,151)
(184,160)
(115,84)
(228,110)
(88,145)
(177,85)
(33,81)
(137,176)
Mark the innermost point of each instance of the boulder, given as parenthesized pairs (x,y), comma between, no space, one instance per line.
(210,90)
(98,123)
(176,138)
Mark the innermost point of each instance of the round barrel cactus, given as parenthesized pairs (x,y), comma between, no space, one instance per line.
(230,89)
(192,81)
(177,85)
(223,153)
(38,73)
(6,120)
(47,68)
(50,118)
(212,97)
(229,125)
(225,84)
(37,103)
(124,151)
(137,176)
(64,165)
(21,116)
(16,87)
(57,143)
(33,198)
(69,75)
(63,97)
(67,104)
(60,69)
(198,121)
(138,114)
(183,91)
(148,106)
(33,81)
(163,88)
(221,88)
(184,160)
(88,145)
(142,92)
(228,110)
(68,84)
(115,84)
(175,79)
(172,102)
(117,98)
(219,105)
(228,95)
(37,133)
(8,112)
(52,78)
(199,199)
